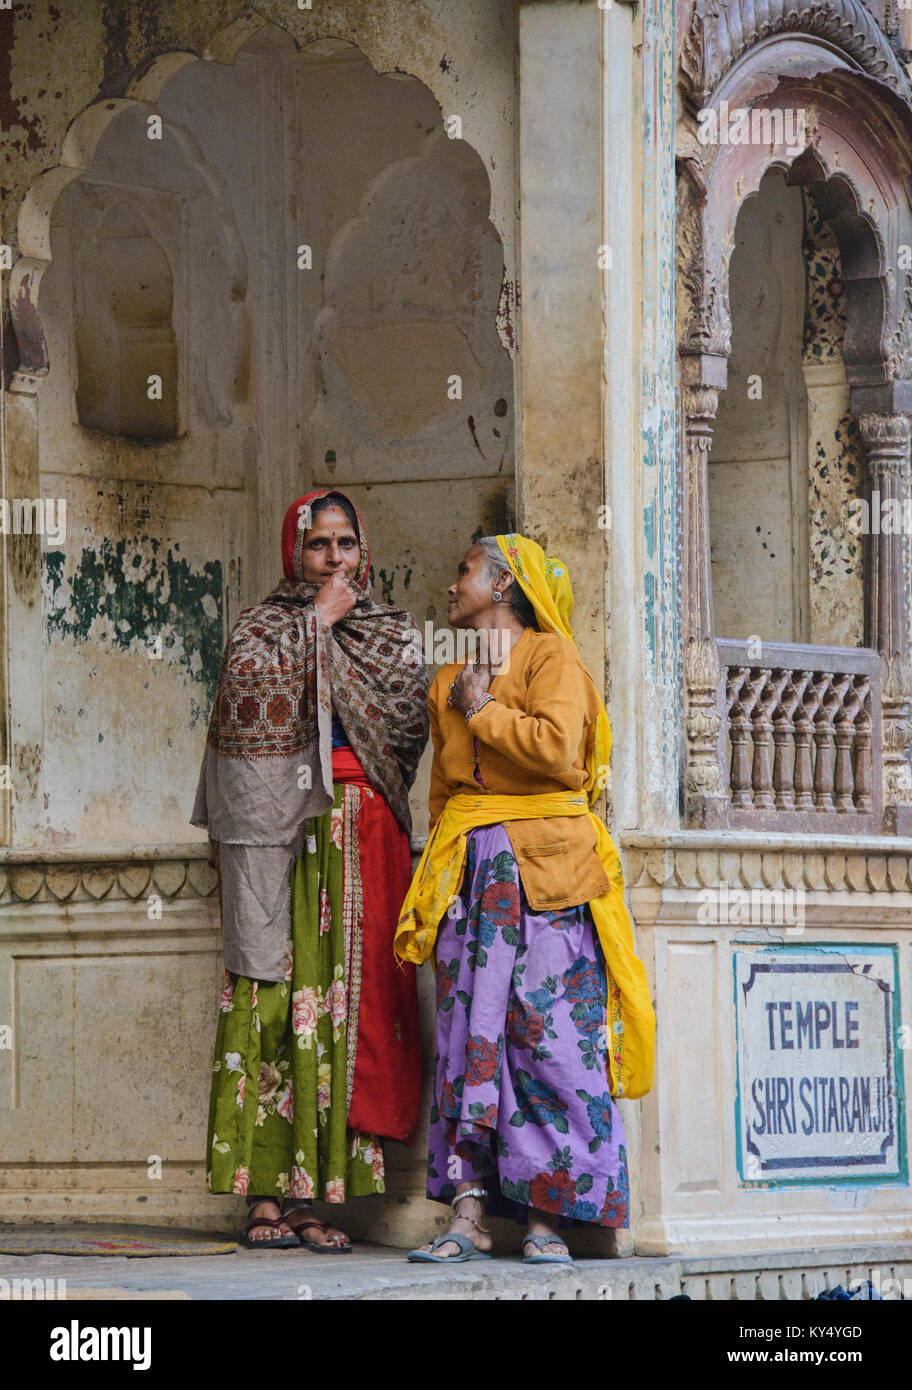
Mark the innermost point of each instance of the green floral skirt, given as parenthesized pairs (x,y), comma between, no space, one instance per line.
(278,1107)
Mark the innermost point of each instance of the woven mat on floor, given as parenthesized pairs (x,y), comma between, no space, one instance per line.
(109,1240)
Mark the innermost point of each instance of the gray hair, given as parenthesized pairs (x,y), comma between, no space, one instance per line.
(495,562)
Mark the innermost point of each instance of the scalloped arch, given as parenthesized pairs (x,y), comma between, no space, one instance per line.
(76,157)
(722,31)
(856,157)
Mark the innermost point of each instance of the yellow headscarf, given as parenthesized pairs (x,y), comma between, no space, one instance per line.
(545,581)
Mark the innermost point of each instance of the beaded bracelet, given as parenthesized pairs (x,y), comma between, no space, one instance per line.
(476,705)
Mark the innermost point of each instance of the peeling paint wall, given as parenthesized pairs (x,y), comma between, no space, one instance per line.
(135,627)
(657,717)
(122,597)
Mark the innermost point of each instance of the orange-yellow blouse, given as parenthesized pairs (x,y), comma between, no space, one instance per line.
(530,739)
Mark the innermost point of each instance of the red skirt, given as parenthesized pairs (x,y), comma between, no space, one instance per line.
(386,1089)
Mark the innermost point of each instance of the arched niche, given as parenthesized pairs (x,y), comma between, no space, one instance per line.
(410,303)
(366,136)
(266,147)
(143,92)
(126,351)
(141,309)
(787,468)
(852,162)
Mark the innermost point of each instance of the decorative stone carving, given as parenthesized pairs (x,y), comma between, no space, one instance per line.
(900,358)
(701,656)
(721,30)
(702,311)
(854,870)
(887,438)
(803,723)
(106,880)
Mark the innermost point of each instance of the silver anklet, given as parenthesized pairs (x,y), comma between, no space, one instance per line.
(481,1194)
(469,1192)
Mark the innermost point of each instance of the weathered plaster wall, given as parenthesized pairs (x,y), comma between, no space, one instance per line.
(94,48)
(560,182)
(650,712)
(756,492)
(288,377)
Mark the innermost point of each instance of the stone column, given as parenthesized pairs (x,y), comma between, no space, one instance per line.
(22,638)
(886,436)
(706,801)
(560,473)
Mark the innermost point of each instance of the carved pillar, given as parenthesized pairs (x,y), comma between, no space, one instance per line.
(706,802)
(886,437)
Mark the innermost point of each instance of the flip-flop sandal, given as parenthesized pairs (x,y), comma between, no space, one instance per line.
(316,1247)
(469,1252)
(277,1243)
(539,1242)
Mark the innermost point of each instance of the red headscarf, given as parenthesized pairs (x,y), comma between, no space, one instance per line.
(293,530)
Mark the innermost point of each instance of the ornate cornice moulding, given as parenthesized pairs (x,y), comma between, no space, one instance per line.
(106,875)
(705,861)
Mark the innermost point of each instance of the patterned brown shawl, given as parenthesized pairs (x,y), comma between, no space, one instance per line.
(267,766)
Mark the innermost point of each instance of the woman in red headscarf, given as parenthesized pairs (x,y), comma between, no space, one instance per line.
(317,727)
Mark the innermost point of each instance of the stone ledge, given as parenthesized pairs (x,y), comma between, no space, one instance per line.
(825,864)
(101,854)
(378,1273)
(106,874)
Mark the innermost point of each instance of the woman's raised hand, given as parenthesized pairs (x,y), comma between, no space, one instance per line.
(335,599)
(468,685)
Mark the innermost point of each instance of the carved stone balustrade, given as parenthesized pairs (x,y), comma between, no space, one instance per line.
(800,736)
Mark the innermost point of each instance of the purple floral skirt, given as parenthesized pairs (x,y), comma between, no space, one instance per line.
(521,1100)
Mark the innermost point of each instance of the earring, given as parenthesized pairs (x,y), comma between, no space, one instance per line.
(497,596)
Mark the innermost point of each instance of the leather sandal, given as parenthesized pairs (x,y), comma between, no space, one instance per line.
(316,1247)
(277,1242)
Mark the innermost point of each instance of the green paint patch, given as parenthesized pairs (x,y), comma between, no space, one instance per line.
(132,595)
(650,593)
(649,517)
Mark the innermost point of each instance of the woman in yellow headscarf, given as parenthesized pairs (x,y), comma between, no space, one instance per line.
(543,1010)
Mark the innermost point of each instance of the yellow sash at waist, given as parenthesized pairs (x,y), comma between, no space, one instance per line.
(435,885)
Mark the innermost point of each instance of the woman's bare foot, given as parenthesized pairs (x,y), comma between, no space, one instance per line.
(468,1222)
(268,1209)
(540,1225)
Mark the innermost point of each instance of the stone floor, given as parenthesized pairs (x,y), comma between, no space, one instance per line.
(377,1273)
(370,1272)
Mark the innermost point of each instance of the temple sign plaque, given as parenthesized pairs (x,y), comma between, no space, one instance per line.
(819,1093)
